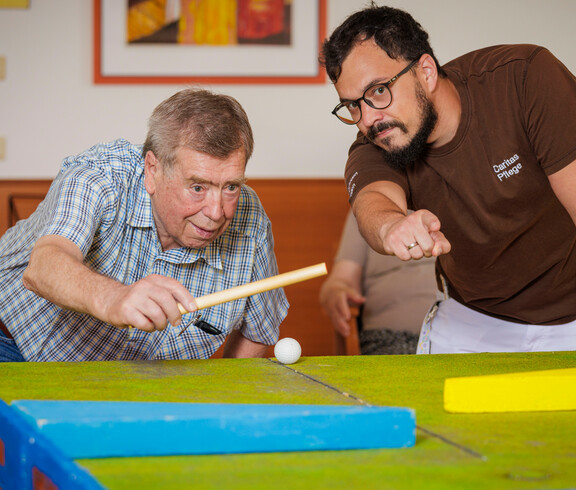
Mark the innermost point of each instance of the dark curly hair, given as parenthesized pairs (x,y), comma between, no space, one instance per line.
(394,30)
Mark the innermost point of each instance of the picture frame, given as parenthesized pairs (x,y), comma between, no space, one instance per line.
(14,4)
(117,62)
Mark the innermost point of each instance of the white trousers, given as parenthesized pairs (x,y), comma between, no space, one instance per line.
(452,328)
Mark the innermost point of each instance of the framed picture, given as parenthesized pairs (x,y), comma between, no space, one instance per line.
(14,4)
(208,41)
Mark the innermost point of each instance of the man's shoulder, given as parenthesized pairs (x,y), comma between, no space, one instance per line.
(117,163)
(117,155)
(488,59)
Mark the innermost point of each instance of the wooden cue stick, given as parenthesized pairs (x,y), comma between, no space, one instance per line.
(260,286)
(274,282)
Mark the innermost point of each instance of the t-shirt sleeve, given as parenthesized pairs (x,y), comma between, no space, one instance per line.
(550,101)
(78,201)
(366,165)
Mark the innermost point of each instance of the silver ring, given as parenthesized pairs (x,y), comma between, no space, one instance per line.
(412,245)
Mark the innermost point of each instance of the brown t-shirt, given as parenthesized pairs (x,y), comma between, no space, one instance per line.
(513,244)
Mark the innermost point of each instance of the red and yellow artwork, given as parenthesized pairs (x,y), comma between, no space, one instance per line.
(209,22)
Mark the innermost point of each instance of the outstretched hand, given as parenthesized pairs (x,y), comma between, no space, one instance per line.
(415,236)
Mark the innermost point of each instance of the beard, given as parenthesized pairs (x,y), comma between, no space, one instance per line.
(406,156)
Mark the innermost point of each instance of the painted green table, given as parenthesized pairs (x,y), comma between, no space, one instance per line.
(534,450)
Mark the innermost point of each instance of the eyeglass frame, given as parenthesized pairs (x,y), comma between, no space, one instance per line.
(386,85)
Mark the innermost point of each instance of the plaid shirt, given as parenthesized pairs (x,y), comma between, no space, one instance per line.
(98,201)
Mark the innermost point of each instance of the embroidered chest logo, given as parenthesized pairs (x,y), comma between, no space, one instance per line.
(508,168)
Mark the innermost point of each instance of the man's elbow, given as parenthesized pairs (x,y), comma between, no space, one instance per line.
(28,279)
(31,273)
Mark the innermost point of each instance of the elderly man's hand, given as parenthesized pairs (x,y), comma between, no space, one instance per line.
(149,304)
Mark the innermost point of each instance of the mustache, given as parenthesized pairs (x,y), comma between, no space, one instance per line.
(383,126)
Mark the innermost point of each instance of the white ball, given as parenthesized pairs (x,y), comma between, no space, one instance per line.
(287,350)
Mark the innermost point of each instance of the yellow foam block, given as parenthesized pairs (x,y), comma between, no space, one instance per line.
(532,391)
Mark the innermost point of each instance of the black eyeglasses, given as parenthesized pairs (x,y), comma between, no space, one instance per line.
(377,96)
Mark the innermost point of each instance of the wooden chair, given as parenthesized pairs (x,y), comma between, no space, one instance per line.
(22,205)
(348,346)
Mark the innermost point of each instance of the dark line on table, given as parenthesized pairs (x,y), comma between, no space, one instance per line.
(326,385)
(465,449)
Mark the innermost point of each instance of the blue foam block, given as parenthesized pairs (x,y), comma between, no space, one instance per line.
(29,459)
(91,429)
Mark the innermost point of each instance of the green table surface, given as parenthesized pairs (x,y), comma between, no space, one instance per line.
(531,450)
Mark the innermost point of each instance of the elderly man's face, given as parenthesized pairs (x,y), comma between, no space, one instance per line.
(194,202)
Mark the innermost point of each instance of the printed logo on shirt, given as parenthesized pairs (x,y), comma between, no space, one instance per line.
(508,168)
(351,186)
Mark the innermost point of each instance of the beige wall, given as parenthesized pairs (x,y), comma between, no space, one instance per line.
(49,107)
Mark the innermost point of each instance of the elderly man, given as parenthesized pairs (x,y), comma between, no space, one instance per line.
(128,234)
(483,149)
